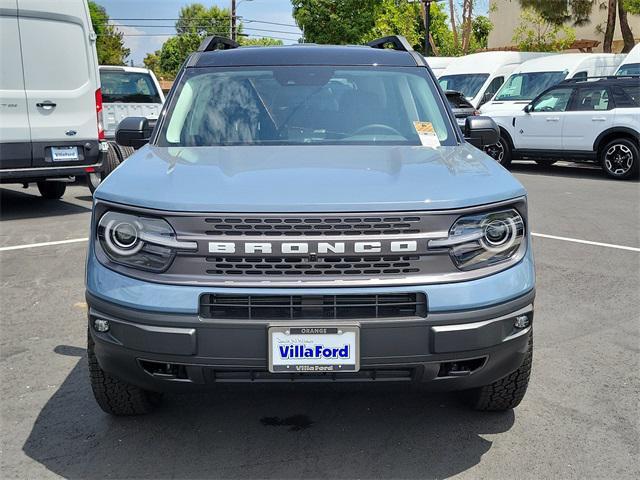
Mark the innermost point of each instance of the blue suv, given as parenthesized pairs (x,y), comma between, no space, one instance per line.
(308,213)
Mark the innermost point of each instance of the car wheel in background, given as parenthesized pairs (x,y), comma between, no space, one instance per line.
(545,162)
(619,158)
(125,152)
(500,152)
(52,190)
(111,161)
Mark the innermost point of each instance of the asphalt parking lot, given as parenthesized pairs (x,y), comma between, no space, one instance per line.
(579,418)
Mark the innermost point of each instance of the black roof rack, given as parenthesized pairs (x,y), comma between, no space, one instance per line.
(600,77)
(397,41)
(217,43)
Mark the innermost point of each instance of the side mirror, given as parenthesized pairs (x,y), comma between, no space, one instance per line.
(481,131)
(134,132)
(528,108)
(487,97)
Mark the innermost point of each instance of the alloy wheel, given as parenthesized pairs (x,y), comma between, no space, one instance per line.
(618,159)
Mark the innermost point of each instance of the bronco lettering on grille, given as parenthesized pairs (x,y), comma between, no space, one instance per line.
(305,248)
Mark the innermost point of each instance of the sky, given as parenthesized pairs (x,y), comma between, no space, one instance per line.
(144,36)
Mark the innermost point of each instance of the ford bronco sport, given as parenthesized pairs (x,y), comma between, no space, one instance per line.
(309,213)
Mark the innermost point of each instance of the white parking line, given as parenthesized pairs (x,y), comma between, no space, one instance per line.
(43,244)
(587,242)
(541,235)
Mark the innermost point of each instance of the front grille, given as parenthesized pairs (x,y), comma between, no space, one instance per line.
(364,265)
(313,225)
(319,307)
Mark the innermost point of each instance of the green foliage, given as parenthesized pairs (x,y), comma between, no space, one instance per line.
(200,20)
(481,27)
(324,21)
(632,6)
(259,42)
(392,17)
(335,21)
(557,12)
(536,34)
(109,44)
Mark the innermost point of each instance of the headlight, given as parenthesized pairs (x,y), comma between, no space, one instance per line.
(139,242)
(483,240)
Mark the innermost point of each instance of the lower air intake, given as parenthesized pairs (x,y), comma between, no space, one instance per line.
(320,307)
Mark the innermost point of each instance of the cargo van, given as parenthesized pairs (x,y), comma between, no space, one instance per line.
(534,76)
(631,63)
(126,92)
(50,99)
(439,64)
(479,75)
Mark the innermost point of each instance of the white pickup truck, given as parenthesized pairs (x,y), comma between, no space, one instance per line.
(126,92)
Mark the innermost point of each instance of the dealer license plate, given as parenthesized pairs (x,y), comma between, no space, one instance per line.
(64,154)
(313,349)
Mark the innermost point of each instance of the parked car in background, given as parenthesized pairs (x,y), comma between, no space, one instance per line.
(460,107)
(310,214)
(631,63)
(126,92)
(480,75)
(534,76)
(439,64)
(595,120)
(51,127)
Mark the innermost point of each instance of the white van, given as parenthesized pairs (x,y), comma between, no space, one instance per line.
(534,76)
(439,64)
(479,75)
(631,63)
(50,99)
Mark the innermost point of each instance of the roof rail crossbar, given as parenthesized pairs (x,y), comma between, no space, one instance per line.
(217,43)
(597,77)
(397,41)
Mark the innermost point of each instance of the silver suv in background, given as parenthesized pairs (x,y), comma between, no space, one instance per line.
(126,92)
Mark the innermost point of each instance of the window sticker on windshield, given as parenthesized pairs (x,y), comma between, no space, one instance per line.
(427,134)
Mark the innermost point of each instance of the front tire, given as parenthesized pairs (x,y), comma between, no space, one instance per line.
(114,396)
(500,152)
(506,393)
(52,190)
(620,158)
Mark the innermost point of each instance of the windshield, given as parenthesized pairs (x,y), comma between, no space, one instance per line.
(629,69)
(128,87)
(469,84)
(527,86)
(305,105)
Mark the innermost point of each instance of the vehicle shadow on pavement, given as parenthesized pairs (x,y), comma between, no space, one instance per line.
(564,169)
(263,431)
(16,205)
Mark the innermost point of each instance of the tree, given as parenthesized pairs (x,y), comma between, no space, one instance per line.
(577,12)
(337,22)
(259,42)
(481,27)
(109,44)
(537,34)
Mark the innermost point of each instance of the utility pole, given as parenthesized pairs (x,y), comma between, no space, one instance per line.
(232,33)
(426,10)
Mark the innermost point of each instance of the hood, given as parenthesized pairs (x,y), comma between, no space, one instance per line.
(504,106)
(308,178)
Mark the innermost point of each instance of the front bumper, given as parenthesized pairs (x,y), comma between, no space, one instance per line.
(178,352)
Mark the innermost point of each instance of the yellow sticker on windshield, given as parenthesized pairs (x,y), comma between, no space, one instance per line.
(427,134)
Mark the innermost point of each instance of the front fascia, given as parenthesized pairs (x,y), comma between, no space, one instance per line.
(141,295)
